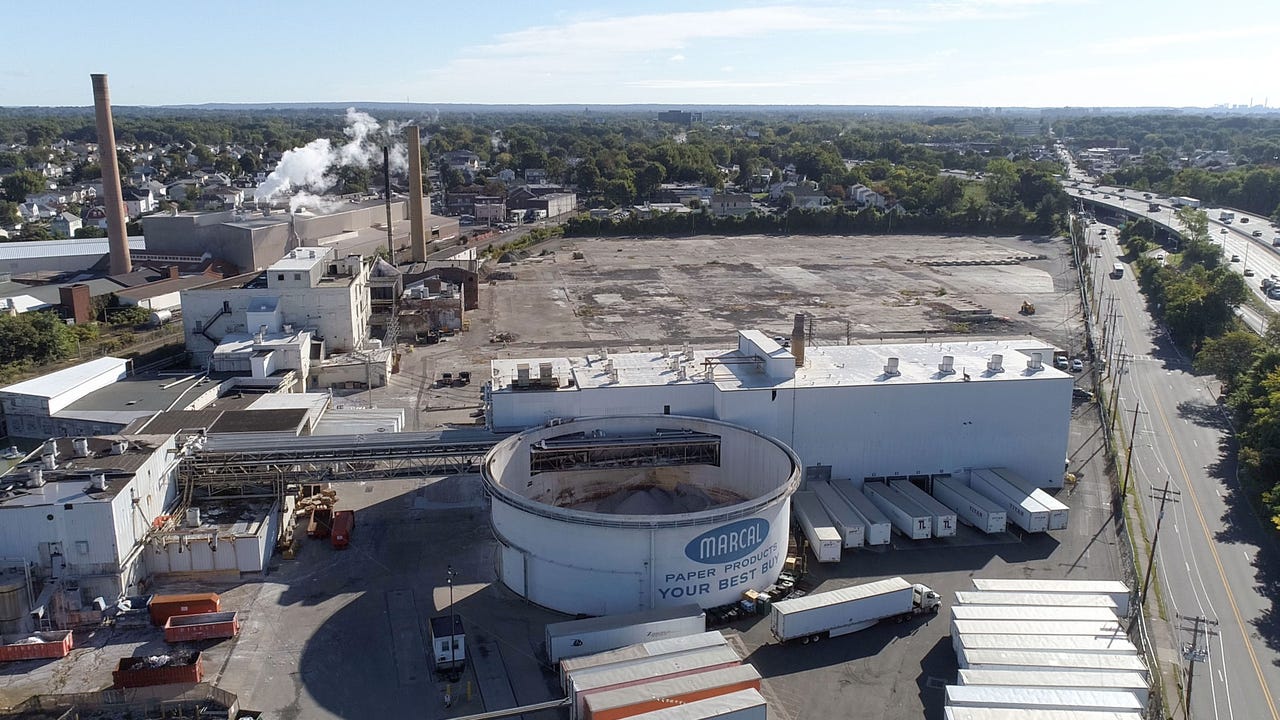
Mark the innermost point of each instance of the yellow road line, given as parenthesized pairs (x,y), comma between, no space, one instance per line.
(1213,548)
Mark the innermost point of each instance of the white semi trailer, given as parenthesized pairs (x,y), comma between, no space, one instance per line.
(1127,681)
(1019,698)
(592,635)
(878,526)
(1034,613)
(843,517)
(907,517)
(1033,599)
(1114,589)
(1020,508)
(1057,509)
(971,506)
(840,612)
(824,540)
(944,518)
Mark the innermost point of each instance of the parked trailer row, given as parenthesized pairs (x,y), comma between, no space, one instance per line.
(1020,698)
(631,701)
(971,506)
(824,540)
(584,683)
(839,612)
(1020,509)
(1033,613)
(1057,509)
(1038,660)
(203,626)
(878,527)
(1117,591)
(944,518)
(36,646)
(907,518)
(846,520)
(655,648)
(1125,681)
(573,638)
(974,598)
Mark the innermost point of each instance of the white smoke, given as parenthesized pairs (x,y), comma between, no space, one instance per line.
(309,169)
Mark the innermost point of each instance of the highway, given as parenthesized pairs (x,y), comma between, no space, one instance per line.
(1214,558)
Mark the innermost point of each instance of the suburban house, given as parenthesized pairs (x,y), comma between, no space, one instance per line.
(865,196)
(66,224)
(138,202)
(730,204)
(461,160)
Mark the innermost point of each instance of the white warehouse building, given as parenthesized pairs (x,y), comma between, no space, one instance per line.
(857,411)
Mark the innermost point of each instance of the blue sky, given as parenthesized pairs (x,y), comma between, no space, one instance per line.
(833,52)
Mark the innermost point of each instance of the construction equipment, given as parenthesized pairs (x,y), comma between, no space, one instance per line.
(1027,308)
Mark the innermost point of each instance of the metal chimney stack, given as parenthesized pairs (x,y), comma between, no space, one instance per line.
(117,239)
(417,234)
(797,339)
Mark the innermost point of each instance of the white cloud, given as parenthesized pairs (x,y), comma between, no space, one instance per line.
(676,58)
(1140,44)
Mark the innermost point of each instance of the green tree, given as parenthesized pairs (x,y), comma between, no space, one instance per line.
(91,231)
(20,184)
(620,192)
(1228,356)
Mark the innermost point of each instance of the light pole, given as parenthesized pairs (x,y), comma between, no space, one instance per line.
(453,627)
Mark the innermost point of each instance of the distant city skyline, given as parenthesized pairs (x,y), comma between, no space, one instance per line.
(1006,53)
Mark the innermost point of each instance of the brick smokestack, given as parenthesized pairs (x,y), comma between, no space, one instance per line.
(118,242)
(797,339)
(417,219)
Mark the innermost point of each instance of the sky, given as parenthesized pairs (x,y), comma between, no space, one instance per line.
(772,52)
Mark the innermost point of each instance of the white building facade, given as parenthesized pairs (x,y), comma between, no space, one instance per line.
(872,411)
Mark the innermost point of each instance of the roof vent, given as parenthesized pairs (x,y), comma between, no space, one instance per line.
(1036,362)
(49,461)
(891,367)
(119,447)
(35,476)
(80,446)
(684,373)
(604,353)
(98,482)
(193,517)
(613,374)
(948,365)
(996,363)
(666,351)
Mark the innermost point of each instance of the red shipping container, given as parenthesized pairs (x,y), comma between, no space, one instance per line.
(164,607)
(135,672)
(54,644)
(203,626)
(344,524)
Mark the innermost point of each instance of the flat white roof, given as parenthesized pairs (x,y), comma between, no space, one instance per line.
(825,366)
(63,248)
(57,383)
(300,259)
(286,401)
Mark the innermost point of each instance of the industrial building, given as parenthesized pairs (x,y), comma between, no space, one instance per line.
(78,512)
(307,298)
(675,510)
(858,411)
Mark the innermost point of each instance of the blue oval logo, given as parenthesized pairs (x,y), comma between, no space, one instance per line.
(728,542)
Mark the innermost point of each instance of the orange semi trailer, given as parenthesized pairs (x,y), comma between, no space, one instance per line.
(630,701)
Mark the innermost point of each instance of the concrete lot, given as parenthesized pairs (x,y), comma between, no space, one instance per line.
(342,633)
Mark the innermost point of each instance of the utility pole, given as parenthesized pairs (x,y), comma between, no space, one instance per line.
(1113,413)
(1163,496)
(1194,651)
(1128,462)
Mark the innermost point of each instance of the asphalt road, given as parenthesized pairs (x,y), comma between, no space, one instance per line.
(1214,558)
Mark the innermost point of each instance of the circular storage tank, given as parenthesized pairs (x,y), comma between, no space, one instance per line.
(616,514)
(13,604)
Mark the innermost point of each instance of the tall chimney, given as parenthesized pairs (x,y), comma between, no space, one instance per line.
(417,234)
(118,242)
(386,185)
(797,339)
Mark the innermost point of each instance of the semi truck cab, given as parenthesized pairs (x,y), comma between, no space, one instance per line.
(924,599)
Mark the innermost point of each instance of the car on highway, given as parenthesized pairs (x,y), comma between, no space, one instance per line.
(1257,233)
(1160,257)
(1274,293)
(1079,393)
(1244,219)
(1248,272)
(1235,258)
(1106,197)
